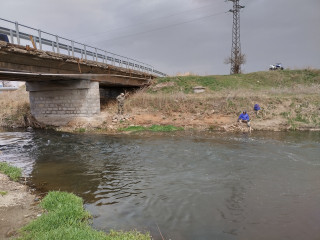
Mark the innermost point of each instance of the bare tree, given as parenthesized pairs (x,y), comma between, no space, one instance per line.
(236,62)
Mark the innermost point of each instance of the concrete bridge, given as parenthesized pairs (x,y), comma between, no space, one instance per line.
(63,83)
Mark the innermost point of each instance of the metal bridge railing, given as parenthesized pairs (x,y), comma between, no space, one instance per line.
(19,33)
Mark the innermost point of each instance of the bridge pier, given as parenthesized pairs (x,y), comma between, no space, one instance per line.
(59,102)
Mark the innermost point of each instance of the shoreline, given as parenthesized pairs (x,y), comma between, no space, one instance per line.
(18,207)
(59,215)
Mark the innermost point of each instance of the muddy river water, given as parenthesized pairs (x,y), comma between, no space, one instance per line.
(190,186)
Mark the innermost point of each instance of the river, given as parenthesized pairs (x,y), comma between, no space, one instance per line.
(189,185)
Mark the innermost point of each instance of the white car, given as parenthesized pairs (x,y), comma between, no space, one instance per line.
(277,66)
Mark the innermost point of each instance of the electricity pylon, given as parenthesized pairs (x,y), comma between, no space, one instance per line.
(236,57)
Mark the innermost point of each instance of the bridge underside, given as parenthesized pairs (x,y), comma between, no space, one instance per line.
(62,88)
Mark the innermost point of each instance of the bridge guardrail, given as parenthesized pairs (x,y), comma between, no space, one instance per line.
(72,48)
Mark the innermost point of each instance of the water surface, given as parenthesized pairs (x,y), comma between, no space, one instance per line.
(202,186)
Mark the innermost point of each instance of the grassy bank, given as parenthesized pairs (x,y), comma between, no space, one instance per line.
(290,98)
(256,81)
(65,218)
(12,172)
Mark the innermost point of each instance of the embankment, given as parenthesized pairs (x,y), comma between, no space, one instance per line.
(290,100)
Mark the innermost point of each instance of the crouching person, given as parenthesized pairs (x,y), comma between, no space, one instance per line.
(244,118)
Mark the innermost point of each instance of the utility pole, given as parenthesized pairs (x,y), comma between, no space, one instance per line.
(236,57)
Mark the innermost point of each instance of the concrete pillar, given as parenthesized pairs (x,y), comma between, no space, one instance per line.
(59,102)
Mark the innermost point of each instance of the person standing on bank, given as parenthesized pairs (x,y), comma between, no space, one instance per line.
(120,100)
(244,117)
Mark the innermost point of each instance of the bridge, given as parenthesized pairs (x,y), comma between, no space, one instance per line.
(66,79)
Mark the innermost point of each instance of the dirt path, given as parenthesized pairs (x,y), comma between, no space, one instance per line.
(17,207)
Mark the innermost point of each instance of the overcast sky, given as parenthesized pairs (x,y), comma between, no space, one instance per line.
(179,36)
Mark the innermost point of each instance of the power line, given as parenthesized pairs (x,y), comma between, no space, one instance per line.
(165,27)
(144,23)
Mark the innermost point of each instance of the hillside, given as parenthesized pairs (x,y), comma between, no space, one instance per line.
(256,81)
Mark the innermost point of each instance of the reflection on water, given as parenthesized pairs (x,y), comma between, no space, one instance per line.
(259,186)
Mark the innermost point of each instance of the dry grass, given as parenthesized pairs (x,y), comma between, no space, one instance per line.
(14,106)
(298,104)
(169,103)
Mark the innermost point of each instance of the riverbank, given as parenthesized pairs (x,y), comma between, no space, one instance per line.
(290,100)
(18,206)
(59,215)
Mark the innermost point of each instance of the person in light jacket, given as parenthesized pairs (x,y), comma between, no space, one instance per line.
(120,100)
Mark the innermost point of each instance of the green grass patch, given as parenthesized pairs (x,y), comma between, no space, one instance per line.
(3,193)
(301,118)
(153,128)
(12,172)
(80,130)
(65,218)
(253,81)
(285,114)
(166,128)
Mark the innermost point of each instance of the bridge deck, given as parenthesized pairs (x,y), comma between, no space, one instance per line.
(103,79)
(20,63)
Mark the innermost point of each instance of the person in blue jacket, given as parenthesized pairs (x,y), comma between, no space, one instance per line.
(256,108)
(244,117)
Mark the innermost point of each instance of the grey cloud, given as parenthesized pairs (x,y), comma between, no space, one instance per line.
(273,30)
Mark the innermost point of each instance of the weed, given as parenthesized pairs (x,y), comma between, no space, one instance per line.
(301,118)
(292,124)
(80,130)
(3,193)
(212,128)
(133,129)
(166,128)
(285,114)
(12,172)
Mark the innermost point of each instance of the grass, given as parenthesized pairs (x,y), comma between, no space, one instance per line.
(133,129)
(253,81)
(80,130)
(225,94)
(65,218)
(228,93)
(153,128)
(3,193)
(14,106)
(12,172)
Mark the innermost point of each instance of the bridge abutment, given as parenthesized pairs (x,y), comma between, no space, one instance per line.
(59,102)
